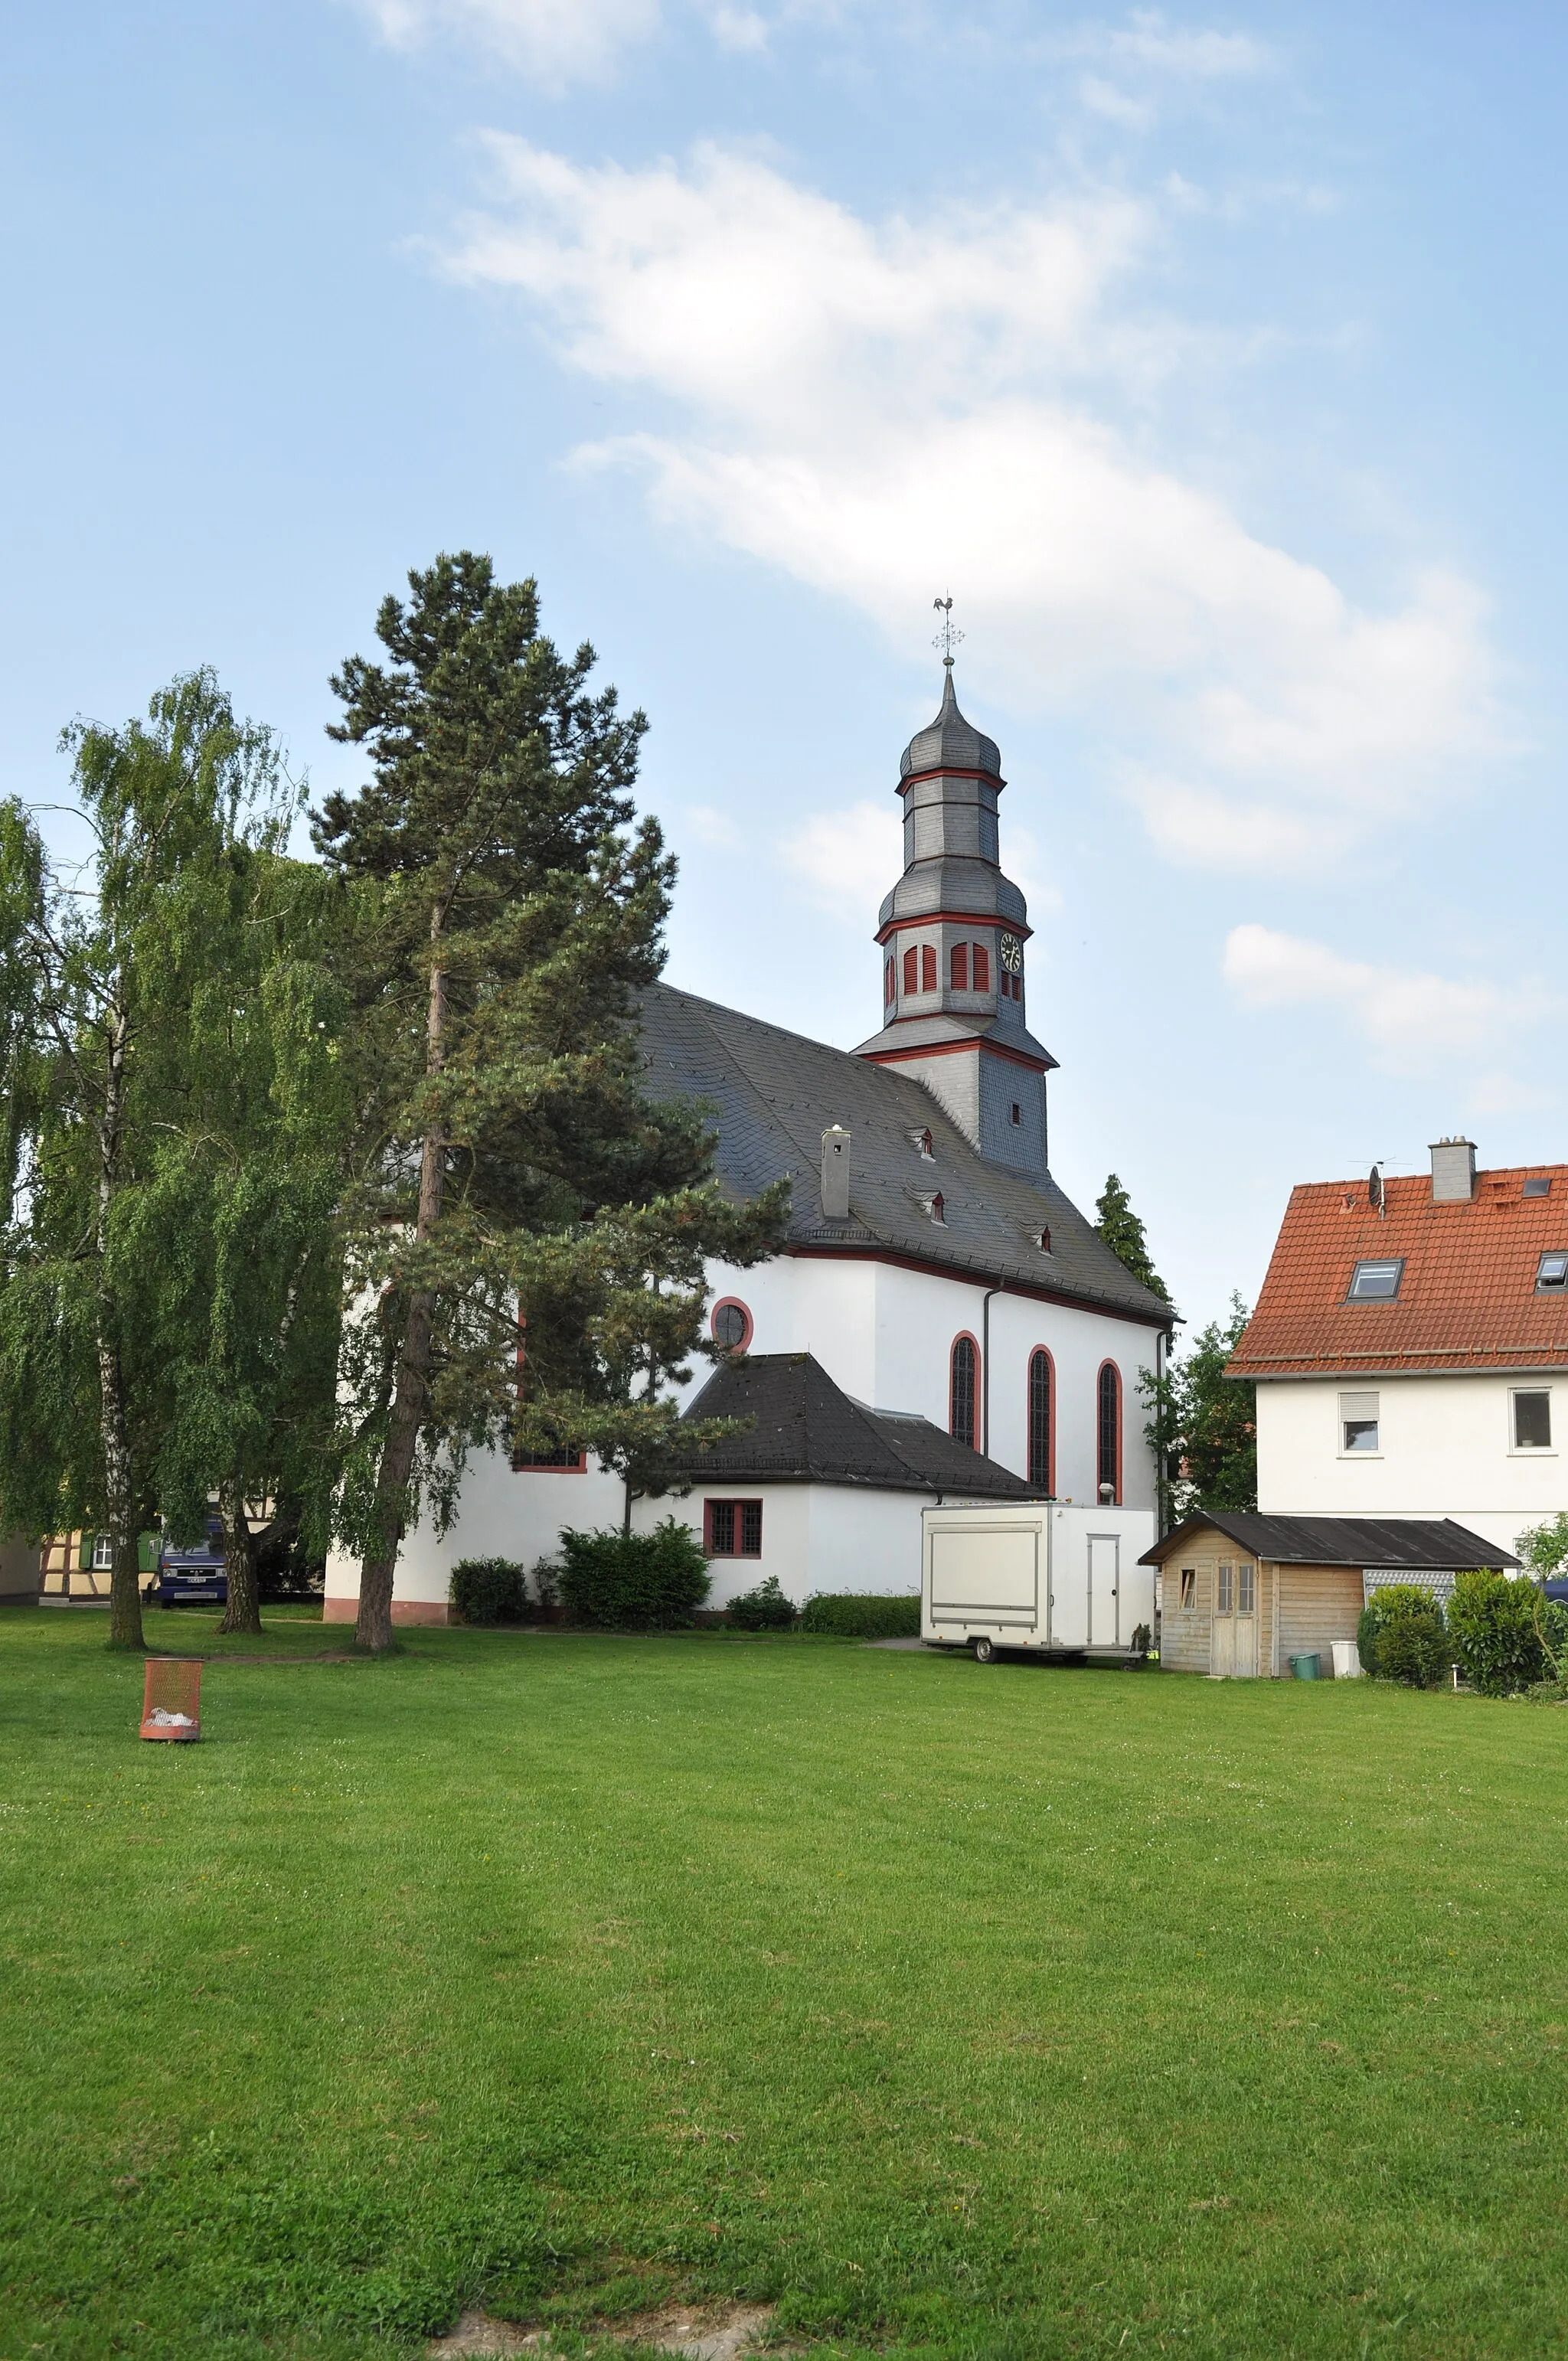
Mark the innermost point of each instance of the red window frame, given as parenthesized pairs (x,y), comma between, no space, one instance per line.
(927,967)
(971,1438)
(1041,1363)
(1108,1465)
(982,968)
(739,1528)
(912,970)
(957,967)
(732,1304)
(890,982)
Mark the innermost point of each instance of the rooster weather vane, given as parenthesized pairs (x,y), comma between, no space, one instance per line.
(949,637)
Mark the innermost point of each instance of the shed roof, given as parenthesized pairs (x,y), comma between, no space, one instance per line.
(806,1430)
(1467,1295)
(775,1094)
(1433,1545)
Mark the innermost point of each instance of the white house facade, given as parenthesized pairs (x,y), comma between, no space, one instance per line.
(972,1334)
(1410,1349)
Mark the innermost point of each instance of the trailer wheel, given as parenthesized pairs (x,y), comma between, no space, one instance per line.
(984,1650)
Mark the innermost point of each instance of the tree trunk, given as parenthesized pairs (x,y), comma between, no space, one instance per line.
(119,1493)
(243,1612)
(373,1628)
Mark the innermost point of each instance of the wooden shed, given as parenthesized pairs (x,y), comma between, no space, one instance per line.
(1240,1595)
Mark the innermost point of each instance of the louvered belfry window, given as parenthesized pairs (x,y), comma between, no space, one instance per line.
(961,1421)
(1040,1421)
(1109,1455)
(927,967)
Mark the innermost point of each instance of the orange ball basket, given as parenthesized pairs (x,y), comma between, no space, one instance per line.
(171,1702)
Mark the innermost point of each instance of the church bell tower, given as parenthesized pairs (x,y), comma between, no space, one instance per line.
(952,933)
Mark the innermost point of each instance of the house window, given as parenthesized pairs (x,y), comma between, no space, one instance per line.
(1532,1419)
(982,968)
(1538,1185)
(1357,1423)
(1040,1421)
(1108,1422)
(1246,1591)
(732,1528)
(102,1553)
(1225,1597)
(1552,1275)
(1189,1587)
(961,1389)
(912,971)
(1374,1282)
(732,1324)
(928,968)
(959,965)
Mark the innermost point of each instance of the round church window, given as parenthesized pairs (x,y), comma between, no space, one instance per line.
(732,1324)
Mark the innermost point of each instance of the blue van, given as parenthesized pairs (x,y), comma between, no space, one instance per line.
(195,1576)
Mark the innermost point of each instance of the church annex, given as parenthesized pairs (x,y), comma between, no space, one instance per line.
(942,1322)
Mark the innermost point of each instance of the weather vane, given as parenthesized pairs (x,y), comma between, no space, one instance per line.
(949,638)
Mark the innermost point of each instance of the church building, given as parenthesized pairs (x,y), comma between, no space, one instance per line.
(941,1324)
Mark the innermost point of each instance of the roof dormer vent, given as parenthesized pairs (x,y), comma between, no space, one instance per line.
(1453,1171)
(836,1174)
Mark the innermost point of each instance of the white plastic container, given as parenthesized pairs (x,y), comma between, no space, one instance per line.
(1347,1661)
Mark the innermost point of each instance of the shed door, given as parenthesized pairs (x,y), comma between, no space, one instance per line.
(1105,1565)
(1234,1650)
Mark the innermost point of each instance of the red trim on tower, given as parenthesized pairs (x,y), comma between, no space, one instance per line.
(909,920)
(947,771)
(952,1048)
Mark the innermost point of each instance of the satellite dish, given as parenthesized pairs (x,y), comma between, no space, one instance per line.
(1375,1189)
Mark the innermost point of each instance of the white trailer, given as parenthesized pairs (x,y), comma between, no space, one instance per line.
(1034,1575)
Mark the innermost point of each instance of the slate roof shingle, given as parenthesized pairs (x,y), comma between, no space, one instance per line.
(1467,1296)
(808,1430)
(1417,1545)
(773,1093)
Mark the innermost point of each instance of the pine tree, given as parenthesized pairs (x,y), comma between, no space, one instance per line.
(1123,1234)
(510,907)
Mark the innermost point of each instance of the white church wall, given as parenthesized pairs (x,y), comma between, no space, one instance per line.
(815,1537)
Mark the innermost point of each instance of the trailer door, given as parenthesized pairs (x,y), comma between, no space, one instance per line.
(1104,1588)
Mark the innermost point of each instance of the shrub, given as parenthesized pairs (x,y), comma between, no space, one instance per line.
(488,1590)
(855,1615)
(763,1609)
(1400,1603)
(1492,1623)
(633,1582)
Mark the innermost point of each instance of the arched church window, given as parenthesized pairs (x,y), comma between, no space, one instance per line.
(959,967)
(927,967)
(962,1390)
(732,1324)
(982,968)
(1040,1421)
(912,971)
(1108,1428)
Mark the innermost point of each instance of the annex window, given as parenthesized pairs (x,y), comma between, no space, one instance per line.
(912,970)
(1108,1433)
(732,1528)
(102,1553)
(1552,1275)
(928,968)
(732,1324)
(982,968)
(1040,1420)
(1532,1419)
(1189,1587)
(1538,1184)
(1246,1591)
(1225,1593)
(959,965)
(962,1390)
(1357,1423)
(1376,1283)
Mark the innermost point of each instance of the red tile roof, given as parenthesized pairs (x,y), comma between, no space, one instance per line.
(1467,1297)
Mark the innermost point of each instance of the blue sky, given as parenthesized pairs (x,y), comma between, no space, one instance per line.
(1212,360)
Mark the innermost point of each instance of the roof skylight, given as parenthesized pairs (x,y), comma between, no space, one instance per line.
(1376,1283)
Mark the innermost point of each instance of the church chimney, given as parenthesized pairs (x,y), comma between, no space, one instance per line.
(836,1174)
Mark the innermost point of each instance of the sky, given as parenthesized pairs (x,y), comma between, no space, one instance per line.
(1210,360)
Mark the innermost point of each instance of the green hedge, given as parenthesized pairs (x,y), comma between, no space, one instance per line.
(633,1582)
(1402,1637)
(763,1609)
(489,1590)
(1495,1624)
(857,1615)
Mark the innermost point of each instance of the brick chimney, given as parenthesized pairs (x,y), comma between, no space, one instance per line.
(1453,1171)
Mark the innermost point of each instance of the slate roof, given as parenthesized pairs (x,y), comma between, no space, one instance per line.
(1414,1544)
(773,1095)
(806,1431)
(950,743)
(1467,1297)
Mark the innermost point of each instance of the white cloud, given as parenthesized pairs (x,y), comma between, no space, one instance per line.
(848,858)
(551,42)
(1184,52)
(1415,1023)
(884,408)
(711,826)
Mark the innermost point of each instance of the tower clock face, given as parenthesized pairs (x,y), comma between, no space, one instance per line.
(1012,951)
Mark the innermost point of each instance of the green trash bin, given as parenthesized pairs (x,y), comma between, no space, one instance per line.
(1304,1667)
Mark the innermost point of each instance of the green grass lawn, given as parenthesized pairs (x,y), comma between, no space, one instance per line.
(1006,2012)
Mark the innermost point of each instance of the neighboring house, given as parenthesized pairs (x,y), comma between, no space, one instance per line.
(79,1565)
(1241,1594)
(1410,1348)
(932,1266)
